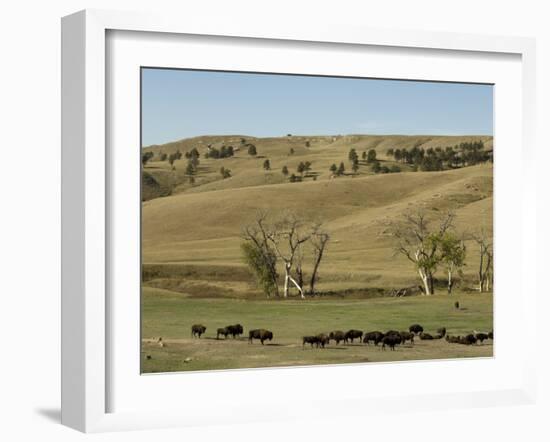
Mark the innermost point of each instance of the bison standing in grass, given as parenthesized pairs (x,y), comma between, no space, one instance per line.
(353,334)
(235,330)
(197,330)
(481,337)
(322,340)
(222,331)
(261,334)
(407,336)
(374,336)
(309,340)
(391,340)
(416,329)
(337,336)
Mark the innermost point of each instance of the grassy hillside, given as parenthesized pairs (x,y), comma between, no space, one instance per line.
(247,171)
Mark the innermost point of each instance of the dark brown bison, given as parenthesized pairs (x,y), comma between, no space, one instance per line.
(322,340)
(490,335)
(457,305)
(416,328)
(222,331)
(353,334)
(464,340)
(426,336)
(197,330)
(481,337)
(261,334)
(452,339)
(391,341)
(441,332)
(337,336)
(407,336)
(310,340)
(375,337)
(235,330)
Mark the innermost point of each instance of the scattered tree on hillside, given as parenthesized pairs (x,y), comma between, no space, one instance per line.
(145,157)
(301,168)
(352,155)
(267,165)
(341,169)
(252,150)
(419,243)
(189,170)
(291,151)
(334,168)
(355,165)
(364,155)
(376,167)
(225,173)
(163,157)
(172,158)
(284,171)
(308,144)
(371,156)
(389,152)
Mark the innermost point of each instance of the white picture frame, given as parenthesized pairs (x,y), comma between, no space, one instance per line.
(86,208)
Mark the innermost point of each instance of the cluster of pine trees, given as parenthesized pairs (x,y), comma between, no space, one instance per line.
(451,157)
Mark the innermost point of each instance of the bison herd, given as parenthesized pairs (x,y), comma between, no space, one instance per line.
(390,339)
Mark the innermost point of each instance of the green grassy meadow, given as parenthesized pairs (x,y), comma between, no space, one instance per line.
(193,270)
(171,315)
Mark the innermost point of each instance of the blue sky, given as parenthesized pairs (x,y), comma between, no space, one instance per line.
(179,104)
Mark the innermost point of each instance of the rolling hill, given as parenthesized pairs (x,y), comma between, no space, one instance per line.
(191,235)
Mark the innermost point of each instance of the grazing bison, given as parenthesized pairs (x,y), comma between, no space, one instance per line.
(452,339)
(407,336)
(235,330)
(337,336)
(322,340)
(490,335)
(441,332)
(467,340)
(261,334)
(374,336)
(481,337)
(222,331)
(310,340)
(426,337)
(197,330)
(391,340)
(416,328)
(353,334)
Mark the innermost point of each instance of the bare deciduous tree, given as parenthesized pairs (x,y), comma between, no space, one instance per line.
(319,240)
(419,243)
(287,236)
(485,271)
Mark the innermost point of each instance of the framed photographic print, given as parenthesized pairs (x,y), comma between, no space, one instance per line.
(249,215)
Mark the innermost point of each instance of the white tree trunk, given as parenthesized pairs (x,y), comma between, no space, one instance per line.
(297,286)
(425,281)
(287,276)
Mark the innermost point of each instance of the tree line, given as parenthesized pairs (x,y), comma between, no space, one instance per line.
(451,157)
